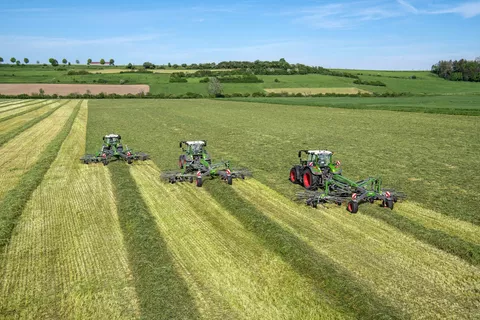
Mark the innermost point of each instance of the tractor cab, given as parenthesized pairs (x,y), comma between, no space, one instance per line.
(321,158)
(195,149)
(111,139)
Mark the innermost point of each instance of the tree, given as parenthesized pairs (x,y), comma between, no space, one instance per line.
(77,61)
(1,59)
(169,65)
(215,87)
(112,62)
(64,61)
(38,61)
(102,61)
(26,60)
(12,60)
(129,66)
(18,62)
(89,61)
(53,62)
(148,65)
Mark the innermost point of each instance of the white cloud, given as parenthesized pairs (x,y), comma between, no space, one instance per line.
(466,10)
(408,6)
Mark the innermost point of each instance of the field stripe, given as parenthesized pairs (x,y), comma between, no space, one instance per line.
(227,281)
(17,121)
(162,292)
(434,220)
(11,110)
(24,111)
(423,281)
(6,103)
(66,258)
(20,153)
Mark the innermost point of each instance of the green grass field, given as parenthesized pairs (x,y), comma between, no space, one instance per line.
(426,83)
(117,242)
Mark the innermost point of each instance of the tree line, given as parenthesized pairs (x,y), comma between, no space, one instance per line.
(54,62)
(458,70)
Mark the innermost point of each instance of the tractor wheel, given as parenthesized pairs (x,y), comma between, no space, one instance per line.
(199,182)
(352,206)
(229,180)
(293,176)
(309,180)
(389,203)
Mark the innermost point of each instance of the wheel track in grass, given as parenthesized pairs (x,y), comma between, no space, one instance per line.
(229,272)
(66,258)
(21,107)
(20,153)
(8,125)
(420,279)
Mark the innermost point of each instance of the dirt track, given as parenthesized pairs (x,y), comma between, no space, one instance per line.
(65,89)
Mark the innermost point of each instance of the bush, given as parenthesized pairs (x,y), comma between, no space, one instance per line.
(259,94)
(102,81)
(370,83)
(413,77)
(123,81)
(276,80)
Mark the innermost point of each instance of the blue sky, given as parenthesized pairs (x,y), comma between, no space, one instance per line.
(364,34)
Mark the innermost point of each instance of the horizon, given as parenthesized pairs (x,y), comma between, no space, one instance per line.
(360,35)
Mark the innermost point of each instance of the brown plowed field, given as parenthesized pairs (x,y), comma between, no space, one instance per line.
(65,89)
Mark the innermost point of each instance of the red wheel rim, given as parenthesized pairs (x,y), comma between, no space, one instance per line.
(292,175)
(306,180)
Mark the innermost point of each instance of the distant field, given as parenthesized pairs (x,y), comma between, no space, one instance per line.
(65,89)
(455,104)
(309,91)
(425,83)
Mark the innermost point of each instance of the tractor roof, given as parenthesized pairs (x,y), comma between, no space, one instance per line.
(112,135)
(320,152)
(202,142)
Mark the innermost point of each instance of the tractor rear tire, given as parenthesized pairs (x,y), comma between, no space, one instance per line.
(294,176)
(229,180)
(199,182)
(352,206)
(309,180)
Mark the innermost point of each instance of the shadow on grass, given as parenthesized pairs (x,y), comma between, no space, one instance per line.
(463,249)
(162,292)
(332,284)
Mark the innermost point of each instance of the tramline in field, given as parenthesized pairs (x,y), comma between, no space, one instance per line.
(318,171)
(112,149)
(196,163)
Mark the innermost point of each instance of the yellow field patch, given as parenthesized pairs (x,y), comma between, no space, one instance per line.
(14,109)
(229,272)
(66,258)
(20,153)
(421,280)
(18,121)
(310,91)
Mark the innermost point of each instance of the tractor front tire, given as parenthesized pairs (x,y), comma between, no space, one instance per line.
(309,180)
(199,182)
(352,206)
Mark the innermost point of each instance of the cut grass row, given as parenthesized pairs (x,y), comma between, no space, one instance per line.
(229,272)
(18,187)
(34,107)
(66,258)
(22,108)
(21,153)
(6,105)
(417,278)
(15,130)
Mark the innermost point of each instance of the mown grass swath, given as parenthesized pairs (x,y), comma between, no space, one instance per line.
(15,200)
(13,133)
(16,122)
(19,106)
(161,291)
(26,111)
(386,258)
(227,268)
(333,283)
(68,244)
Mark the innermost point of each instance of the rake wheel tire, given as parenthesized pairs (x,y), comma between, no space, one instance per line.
(352,206)
(199,182)
(389,203)
(229,180)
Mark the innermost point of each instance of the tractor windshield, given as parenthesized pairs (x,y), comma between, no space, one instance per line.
(196,148)
(324,160)
(112,140)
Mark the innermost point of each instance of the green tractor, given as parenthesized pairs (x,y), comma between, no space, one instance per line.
(318,171)
(196,164)
(315,169)
(112,149)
